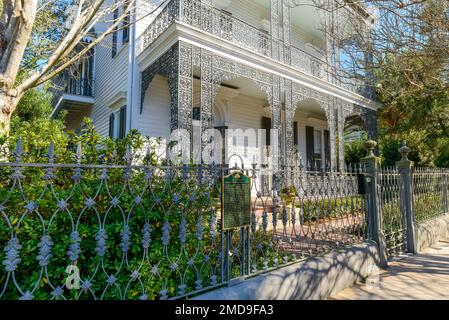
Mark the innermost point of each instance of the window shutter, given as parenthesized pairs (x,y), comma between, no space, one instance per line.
(126,20)
(122,131)
(114,34)
(310,146)
(111,125)
(266,124)
(327,148)
(295,133)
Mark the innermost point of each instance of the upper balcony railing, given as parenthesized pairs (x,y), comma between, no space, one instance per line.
(206,18)
(80,86)
(71,85)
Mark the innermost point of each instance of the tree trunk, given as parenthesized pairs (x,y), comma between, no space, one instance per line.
(7,106)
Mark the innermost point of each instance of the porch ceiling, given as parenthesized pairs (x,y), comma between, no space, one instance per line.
(244,86)
(311,107)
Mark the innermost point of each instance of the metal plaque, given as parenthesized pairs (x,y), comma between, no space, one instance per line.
(236,206)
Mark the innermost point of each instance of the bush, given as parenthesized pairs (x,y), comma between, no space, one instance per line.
(99,218)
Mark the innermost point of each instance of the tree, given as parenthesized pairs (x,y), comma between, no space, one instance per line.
(401,49)
(28,40)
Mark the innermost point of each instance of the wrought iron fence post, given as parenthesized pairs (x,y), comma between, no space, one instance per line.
(374,217)
(445,191)
(405,170)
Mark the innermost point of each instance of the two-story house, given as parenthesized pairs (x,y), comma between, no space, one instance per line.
(225,64)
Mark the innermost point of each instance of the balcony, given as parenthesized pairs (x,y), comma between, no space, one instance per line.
(80,87)
(75,95)
(206,18)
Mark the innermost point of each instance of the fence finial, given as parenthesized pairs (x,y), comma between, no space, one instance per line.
(370,145)
(18,153)
(51,152)
(404,150)
(79,153)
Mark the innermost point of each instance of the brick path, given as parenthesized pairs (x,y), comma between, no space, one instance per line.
(424,277)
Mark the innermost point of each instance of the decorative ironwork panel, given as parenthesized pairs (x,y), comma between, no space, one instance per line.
(430,193)
(185,88)
(274,9)
(393,220)
(177,65)
(206,93)
(167,66)
(166,17)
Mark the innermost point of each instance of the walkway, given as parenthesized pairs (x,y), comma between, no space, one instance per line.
(424,277)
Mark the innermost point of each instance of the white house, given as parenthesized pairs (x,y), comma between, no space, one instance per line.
(224,64)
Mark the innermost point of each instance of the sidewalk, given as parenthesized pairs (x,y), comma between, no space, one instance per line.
(422,277)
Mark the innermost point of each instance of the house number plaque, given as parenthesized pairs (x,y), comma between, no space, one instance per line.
(236,207)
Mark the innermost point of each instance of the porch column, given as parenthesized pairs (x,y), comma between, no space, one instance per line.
(288,125)
(180,82)
(340,133)
(331,115)
(276,123)
(206,97)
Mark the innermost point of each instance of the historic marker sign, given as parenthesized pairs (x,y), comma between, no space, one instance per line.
(236,192)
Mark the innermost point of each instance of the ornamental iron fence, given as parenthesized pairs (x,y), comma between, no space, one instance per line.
(430,193)
(127,229)
(409,196)
(391,207)
(104,231)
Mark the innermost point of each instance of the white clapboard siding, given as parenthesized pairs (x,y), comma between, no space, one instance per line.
(155,118)
(111,78)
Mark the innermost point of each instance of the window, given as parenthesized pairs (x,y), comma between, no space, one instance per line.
(266,125)
(125,24)
(196,113)
(117,124)
(295,133)
(314,146)
(114,34)
(317,147)
(327,149)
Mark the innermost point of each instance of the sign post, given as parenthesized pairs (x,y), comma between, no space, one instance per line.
(235,214)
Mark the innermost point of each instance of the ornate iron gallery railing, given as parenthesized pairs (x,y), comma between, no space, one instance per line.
(219,23)
(89,231)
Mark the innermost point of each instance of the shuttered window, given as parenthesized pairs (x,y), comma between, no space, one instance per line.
(295,133)
(114,34)
(122,130)
(111,125)
(266,125)
(310,146)
(126,20)
(117,124)
(327,149)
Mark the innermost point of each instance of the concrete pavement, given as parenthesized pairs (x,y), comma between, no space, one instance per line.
(423,277)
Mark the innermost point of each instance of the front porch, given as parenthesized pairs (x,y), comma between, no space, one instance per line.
(193,89)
